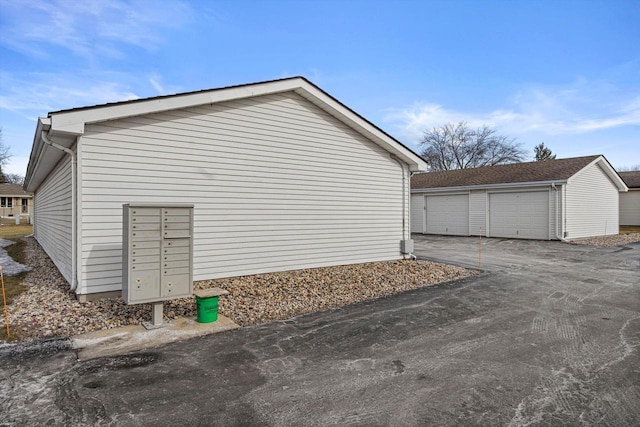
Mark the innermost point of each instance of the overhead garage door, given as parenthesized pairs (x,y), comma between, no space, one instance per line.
(521,215)
(448,214)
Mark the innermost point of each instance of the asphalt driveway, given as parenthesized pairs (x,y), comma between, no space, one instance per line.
(549,334)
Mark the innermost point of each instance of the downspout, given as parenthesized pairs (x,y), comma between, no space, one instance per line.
(553,185)
(74,246)
(560,233)
(404,204)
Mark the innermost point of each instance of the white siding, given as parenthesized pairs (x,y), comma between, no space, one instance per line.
(523,214)
(592,204)
(448,214)
(417,213)
(277,184)
(52,217)
(630,207)
(478,213)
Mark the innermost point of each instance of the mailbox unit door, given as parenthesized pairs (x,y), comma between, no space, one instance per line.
(157,259)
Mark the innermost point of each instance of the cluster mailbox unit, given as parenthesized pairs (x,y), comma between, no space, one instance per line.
(157,256)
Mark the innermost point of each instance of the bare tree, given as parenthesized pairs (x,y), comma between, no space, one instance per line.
(5,155)
(456,146)
(543,153)
(628,168)
(13,178)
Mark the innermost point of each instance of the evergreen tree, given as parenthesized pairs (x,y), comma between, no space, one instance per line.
(543,153)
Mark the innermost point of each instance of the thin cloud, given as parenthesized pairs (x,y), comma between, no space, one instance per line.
(89,29)
(580,108)
(34,95)
(156,81)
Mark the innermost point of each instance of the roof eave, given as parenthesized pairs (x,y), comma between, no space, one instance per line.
(42,153)
(71,123)
(490,186)
(36,151)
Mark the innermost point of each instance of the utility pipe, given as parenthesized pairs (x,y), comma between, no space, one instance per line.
(404,202)
(558,210)
(556,218)
(74,246)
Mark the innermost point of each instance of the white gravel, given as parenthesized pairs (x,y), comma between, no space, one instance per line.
(49,309)
(608,241)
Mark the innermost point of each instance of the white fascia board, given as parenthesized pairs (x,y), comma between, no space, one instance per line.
(73,122)
(608,169)
(44,157)
(353,120)
(43,124)
(514,185)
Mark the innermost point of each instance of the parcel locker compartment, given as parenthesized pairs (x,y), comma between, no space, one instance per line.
(175,284)
(145,285)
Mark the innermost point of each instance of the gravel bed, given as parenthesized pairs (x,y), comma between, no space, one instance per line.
(607,241)
(49,309)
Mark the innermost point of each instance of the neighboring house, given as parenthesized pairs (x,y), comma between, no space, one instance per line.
(630,201)
(14,201)
(551,199)
(282,175)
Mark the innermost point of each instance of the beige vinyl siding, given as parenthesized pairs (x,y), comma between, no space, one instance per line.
(277,184)
(592,204)
(630,207)
(417,213)
(447,214)
(478,213)
(52,217)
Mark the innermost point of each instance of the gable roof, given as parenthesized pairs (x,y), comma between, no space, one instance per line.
(13,190)
(531,173)
(64,126)
(632,178)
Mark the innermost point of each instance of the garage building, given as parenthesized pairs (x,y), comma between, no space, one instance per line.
(630,201)
(552,199)
(282,176)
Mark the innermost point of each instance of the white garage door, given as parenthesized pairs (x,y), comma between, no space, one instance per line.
(448,214)
(520,215)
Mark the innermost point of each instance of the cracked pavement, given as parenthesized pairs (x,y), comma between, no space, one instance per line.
(549,334)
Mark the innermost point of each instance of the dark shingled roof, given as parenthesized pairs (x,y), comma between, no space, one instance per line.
(547,170)
(632,179)
(12,190)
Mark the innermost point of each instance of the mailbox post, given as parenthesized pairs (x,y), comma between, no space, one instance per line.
(157,255)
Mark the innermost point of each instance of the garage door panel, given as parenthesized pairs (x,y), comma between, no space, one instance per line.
(523,215)
(448,214)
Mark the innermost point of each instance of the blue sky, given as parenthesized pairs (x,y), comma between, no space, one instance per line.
(566,73)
